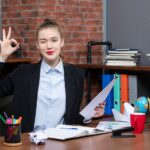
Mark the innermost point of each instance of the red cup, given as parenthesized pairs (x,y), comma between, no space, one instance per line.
(138,122)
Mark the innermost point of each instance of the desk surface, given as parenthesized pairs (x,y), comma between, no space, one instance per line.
(140,142)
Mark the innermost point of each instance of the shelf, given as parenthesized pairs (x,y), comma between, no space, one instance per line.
(94,69)
(19,60)
(125,68)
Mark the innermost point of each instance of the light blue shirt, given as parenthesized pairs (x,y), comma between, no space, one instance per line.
(51,100)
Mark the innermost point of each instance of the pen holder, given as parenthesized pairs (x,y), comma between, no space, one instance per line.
(12,135)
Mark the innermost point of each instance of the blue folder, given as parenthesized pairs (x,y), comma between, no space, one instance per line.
(106,79)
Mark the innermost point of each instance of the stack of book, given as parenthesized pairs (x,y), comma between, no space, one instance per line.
(148,55)
(122,57)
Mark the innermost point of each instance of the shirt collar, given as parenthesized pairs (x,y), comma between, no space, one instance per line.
(59,68)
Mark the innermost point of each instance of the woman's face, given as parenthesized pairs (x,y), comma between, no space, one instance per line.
(49,43)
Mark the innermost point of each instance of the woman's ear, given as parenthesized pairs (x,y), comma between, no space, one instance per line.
(37,45)
(62,42)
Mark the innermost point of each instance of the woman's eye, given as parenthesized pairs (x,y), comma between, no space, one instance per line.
(54,40)
(42,41)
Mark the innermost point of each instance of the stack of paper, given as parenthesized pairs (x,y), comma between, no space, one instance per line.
(112,125)
(121,120)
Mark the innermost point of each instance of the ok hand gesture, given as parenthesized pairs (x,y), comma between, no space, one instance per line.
(8,45)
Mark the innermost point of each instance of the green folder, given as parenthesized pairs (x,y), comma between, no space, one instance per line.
(117,93)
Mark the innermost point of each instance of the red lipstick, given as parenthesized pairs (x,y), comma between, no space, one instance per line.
(50,52)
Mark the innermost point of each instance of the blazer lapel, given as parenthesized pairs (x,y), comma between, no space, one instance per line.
(35,75)
(70,89)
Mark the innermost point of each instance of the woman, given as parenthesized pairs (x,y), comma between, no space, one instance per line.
(47,93)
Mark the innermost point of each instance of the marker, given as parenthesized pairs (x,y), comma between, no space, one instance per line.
(9,121)
(19,120)
(2,119)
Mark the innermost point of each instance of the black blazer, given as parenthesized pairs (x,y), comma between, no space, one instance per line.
(23,84)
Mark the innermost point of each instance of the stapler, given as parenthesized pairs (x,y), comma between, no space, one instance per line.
(118,133)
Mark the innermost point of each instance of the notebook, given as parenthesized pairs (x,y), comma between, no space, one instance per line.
(66,132)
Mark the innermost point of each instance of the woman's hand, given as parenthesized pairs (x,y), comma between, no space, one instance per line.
(99,110)
(8,45)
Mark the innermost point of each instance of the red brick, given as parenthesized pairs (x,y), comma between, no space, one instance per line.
(9,8)
(85,4)
(47,2)
(73,28)
(11,2)
(48,7)
(68,2)
(26,7)
(29,13)
(14,21)
(74,15)
(28,1)
(12,14)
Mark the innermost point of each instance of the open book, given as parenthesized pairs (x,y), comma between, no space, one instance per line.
(65,132)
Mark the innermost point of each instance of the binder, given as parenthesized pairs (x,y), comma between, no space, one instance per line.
(117,93)
(124,90)
(132,89)
(106,79)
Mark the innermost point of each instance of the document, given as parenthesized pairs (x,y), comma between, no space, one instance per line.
(66,132)
(112,125)
(128,109)
(89,111)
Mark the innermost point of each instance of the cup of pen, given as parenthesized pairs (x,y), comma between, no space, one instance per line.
(12,135)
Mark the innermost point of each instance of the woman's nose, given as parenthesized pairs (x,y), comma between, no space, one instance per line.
(49,45)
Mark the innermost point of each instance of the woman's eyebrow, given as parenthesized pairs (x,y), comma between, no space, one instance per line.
(42,39)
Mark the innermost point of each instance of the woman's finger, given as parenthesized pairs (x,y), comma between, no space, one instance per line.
(14,43)
(9,33)
(4,34)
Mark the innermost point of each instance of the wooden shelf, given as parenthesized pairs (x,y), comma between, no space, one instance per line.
(143,73)
(19,60)
(95,66)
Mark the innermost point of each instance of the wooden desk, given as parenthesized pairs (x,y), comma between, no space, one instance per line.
(98,142)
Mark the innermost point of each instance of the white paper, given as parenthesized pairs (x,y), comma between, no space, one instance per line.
(112,125)
(89,111)
(128,109)
(38,137)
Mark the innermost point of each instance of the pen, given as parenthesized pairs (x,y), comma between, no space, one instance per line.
(70,128)
(5,115)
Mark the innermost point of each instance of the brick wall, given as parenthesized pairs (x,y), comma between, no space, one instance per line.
(81,21)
